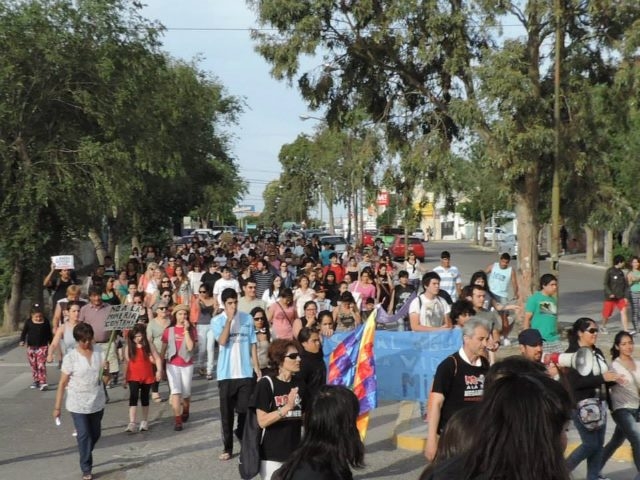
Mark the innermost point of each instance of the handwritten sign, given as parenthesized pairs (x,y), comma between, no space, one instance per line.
(123,316)
(63,262)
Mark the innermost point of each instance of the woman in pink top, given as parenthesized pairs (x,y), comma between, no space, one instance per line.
(178,343)
(364,287)
(281,315)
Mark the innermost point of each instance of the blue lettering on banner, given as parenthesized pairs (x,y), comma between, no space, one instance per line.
(406,362)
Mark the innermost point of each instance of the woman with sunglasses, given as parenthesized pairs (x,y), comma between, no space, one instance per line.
(206,305)
(625,399)
(584,333)
(285,275)
(155,329)
(263,336)
(279,402)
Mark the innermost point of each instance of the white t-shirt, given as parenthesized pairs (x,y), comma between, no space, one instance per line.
(222,284)
(85,393)
(449,278)
(432,312)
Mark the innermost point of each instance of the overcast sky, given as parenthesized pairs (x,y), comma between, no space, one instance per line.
(217,31)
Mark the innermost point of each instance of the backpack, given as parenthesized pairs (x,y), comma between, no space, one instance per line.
(252,436)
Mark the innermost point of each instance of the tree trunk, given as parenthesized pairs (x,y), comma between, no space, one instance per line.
(526,211)
(332,220)
(483,224)
(11,308)
(589,231)
(94,236)
(475,233)
(135,242)
(626,235)
(608,247)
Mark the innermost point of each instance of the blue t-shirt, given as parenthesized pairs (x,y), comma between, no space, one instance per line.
(324,256)
(234,358)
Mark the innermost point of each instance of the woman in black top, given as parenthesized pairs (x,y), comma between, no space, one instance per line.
(313,370)
(331,443)
(584,334)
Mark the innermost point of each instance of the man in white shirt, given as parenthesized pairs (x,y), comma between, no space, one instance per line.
(450,279)
(429,312)
(226,281)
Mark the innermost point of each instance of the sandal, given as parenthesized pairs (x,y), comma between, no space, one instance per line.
(224,456)
(88,476)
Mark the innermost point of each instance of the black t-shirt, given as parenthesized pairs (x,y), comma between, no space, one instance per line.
(313,372)
(305,471)
(401,294)
(461,384)
(209,279)
(59,289)
(283,437)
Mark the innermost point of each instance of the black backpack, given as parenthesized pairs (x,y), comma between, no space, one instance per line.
(252,436)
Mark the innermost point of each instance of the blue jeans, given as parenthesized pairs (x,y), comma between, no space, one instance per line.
(205,348)
(590,449)
(626,429)
(88,429)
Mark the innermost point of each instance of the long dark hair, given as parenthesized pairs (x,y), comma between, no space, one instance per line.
(580,325)
(331,443)
(522,412)
(615,348)
(265,322)
(138,328)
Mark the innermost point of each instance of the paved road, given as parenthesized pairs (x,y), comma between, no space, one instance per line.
(33,447)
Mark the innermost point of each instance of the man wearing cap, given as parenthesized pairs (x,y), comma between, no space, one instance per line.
(450,279)
(531,341)
(237,362)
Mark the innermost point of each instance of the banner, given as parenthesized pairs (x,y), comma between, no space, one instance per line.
(63,262)
(123,316)
(405,361)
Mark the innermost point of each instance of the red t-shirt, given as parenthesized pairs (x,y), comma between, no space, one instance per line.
(140,368)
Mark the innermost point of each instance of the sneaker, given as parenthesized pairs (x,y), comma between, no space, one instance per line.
(632,332)
(506,342)
(603,329)
(178,427)
(44,387)
(34,385)
(130,428)
(603,477)
(144,426)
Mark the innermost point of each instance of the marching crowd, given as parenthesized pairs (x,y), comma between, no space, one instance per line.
(252,313)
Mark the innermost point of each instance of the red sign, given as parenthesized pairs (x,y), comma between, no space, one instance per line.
(383,199)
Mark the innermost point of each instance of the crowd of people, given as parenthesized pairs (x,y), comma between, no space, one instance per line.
(252,313)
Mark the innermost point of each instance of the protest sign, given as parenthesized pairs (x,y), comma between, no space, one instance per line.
(63,262)
(123,316)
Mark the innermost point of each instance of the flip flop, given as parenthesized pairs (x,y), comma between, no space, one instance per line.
(224,456)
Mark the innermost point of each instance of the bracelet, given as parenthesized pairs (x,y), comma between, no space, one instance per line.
(280,414)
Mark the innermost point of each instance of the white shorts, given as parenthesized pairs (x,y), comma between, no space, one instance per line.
(180,380)
(268,468)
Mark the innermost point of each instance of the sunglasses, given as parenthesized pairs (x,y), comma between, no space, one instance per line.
(202,291)
(162,308)
(592,330)
(258,318)
(137,303)
(292,356)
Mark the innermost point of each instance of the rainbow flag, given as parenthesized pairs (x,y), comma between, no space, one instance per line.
(352,364)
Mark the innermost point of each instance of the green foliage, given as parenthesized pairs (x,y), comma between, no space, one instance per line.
(97,124)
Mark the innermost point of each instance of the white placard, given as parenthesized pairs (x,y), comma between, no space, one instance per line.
(123,316)
(63,262)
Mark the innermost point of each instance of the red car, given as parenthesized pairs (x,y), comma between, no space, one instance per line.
(369,238)
(415,245)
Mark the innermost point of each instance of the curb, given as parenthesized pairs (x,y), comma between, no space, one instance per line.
(415,440)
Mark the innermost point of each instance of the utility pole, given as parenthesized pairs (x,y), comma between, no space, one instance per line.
(555,189)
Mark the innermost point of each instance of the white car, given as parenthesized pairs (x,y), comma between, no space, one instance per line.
(418,234)
(339,243)
(499,232)
(509,245)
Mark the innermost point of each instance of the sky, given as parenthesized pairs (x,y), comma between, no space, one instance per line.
(217,32)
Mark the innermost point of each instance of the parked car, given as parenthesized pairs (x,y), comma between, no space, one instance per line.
(418,234)
(415,244)
(510,245)
(339,243)
(388,234)
(499,232)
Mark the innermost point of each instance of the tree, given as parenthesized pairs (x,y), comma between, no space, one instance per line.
(98,127)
